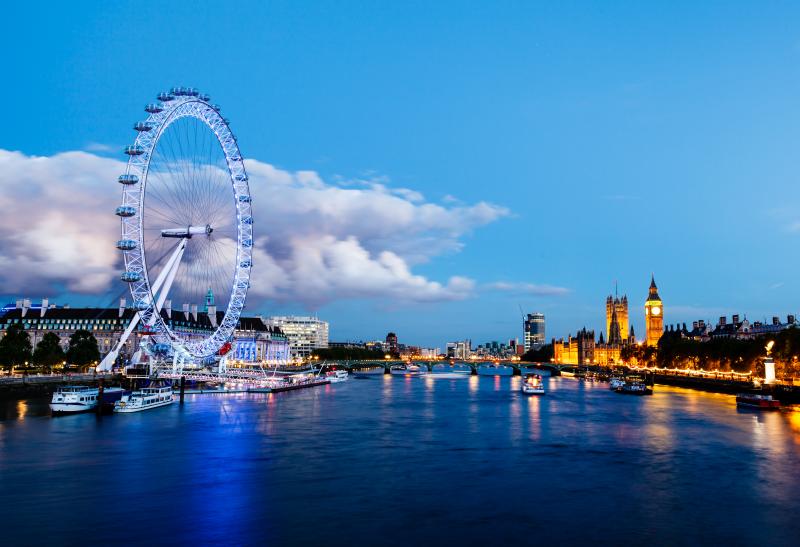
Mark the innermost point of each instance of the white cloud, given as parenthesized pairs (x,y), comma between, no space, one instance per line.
(527,288)
(315,241)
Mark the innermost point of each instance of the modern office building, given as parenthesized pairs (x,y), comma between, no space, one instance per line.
(459,350)
(391,343)
(305,334)
(533,330)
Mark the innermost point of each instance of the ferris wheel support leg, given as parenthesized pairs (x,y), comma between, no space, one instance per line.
(175,261)
(168,272)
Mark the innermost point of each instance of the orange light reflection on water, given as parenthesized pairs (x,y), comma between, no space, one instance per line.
(22,410)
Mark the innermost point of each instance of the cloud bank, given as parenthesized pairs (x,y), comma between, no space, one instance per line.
(316,241)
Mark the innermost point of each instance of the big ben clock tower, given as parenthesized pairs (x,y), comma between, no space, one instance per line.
(653,315)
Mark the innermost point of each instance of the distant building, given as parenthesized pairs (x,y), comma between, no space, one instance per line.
(533,331)
(738,328)
(653,315)
(305,334)
(618,306)
(459,350)
(391,343)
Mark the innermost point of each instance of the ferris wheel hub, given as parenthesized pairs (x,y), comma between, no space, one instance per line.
(187,232)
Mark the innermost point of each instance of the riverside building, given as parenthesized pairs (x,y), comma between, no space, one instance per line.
(253,341)
(305,334)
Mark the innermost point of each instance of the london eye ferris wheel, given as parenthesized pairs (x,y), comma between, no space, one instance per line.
(186,223)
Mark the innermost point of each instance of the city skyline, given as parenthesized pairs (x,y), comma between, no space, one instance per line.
(573,164)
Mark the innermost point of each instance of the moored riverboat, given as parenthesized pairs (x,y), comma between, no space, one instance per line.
(76,399)
(760,402)
(634,387)
(145,399)
(616,383)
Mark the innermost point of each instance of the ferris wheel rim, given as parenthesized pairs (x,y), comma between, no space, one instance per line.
(160,117)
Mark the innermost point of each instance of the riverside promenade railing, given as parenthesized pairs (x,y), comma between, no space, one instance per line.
(13,379)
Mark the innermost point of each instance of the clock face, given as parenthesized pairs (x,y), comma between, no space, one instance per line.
(656,310)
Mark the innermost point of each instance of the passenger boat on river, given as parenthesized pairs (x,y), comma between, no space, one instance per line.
(532,385)
(634,386)
(760,402)
(75,399)
(336,376)
(408,370)
(145,399)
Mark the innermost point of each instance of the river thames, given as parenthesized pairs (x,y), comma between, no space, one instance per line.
(406,461)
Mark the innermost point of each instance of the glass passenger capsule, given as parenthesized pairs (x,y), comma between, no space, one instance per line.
(126,244)
(244,199)
(247,219)
(130,277)
(204,97)
(165,97)
(128,179)
(125,211)
(153,108)
(193,92)
(143,126)
(247,243)
(241,178)
(245,264)
(134,150)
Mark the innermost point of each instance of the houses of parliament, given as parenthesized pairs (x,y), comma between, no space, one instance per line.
(583,349)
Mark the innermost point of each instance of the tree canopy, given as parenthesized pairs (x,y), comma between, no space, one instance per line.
(541,355)
(48,351)
(723,353)
(341,354)
(15,346)
(83,349)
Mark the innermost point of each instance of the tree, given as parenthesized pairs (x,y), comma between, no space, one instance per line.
(83,349)
(541,355)
(341,354)
(48,351)
(15,347)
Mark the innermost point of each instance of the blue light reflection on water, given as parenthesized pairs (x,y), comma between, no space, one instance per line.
(394,460)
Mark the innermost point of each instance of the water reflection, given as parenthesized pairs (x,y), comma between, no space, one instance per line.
(22,410)
(248,466)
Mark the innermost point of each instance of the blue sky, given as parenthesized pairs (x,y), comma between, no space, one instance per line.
(619,138)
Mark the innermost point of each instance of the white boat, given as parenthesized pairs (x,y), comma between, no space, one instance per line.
(408,370)
(532,385)
(336,376)
(615,383)
(73,399)
(144,399)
